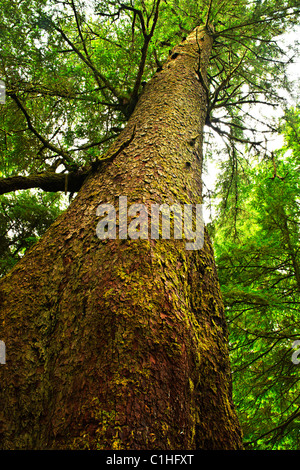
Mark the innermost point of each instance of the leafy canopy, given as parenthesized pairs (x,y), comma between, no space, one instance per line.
(74,70)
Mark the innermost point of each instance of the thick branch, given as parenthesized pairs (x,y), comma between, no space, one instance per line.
(54,182)
(51,182)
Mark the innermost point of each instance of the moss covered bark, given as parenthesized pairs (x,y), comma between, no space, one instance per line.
(122,344)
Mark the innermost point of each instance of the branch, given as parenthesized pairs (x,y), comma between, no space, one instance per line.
(40,89)
(147,40)
(232,94)
(208,14)
(53,182)
(282,425)
(232,137)
(89,63)
(283,14)
(242,101)
(225,82)
(42,139)
(79,29)
(111,156)
(137,12)
(48,181)
(94,144)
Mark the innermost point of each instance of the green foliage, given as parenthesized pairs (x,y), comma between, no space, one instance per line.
(257,250)
(23,219)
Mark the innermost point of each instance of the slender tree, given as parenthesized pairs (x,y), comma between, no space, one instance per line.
(122,343)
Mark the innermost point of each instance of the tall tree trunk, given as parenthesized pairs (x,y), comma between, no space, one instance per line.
(122,344)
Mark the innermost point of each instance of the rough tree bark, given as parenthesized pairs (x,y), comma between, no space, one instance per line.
(122,344)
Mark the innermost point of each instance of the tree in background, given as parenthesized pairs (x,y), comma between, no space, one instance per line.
(123,343)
